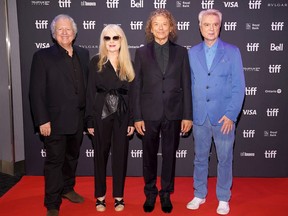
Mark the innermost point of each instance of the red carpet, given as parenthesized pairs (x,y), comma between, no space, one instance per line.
(250,196)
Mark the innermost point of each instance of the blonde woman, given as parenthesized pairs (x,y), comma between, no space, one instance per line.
(109,119)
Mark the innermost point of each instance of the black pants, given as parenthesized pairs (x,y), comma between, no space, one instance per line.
(110,135)
(62,153)
(170,136)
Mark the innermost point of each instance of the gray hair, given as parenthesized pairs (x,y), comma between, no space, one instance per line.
(209,12)
(62,16)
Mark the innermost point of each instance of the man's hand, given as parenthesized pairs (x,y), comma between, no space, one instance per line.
(130,130)
(91,131)
(140,127)
(45,129)
(186,126)
(227,124)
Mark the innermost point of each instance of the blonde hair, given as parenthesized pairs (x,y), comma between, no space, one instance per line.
(166,14)
(125,67)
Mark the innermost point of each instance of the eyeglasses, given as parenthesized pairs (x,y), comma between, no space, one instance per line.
(114,38)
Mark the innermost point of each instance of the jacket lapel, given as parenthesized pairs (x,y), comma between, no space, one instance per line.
(218,56)
(202,58)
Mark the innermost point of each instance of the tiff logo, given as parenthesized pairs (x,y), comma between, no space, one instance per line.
(230,26)
(277,26)
(252,47)
(183,26)
(89,24)
(254,4)
(136,25)
(250,90)
(112,3)
(159,4)
(248,133)
(270,153)
(181,153)
(230,4)
(207,4)
(89,153)
(271,112)
(137,4)
(43,152)
(64,3)
(274,68)
(41,24)
(274,47)
(136,153)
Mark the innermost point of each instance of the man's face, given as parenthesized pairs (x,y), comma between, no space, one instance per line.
(64,33)
(160,28)
(210,28)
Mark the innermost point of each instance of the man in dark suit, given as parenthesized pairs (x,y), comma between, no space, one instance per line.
(57,95)
(162,104)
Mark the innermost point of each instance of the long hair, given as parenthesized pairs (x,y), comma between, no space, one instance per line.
(168,15)
(125,67)
(59,17)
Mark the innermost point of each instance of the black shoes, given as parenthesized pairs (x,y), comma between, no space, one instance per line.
(52,212)
(166,204)
(149,204)
(72,196)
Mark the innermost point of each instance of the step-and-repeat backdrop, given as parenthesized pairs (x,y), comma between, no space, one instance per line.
(258,27)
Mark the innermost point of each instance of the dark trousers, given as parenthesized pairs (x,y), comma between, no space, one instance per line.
(110,135)
(170,136)
(62,153)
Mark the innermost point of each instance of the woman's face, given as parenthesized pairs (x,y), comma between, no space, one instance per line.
(112,41)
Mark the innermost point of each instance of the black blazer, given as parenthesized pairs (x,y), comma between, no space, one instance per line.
(52,91)
(156,94)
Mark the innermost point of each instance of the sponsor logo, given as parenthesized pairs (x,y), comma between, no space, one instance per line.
(136,25)
(64,3)
(183,26)
(89,153)
(273,91)
(277,4)
(88,4)
(135,46)
(254,4)
(230,26)
(159,4)
(247,154)
(251,69)
(40,3)
(250,90)
(183,4)
(249,112)
(270,153)
(272,112)
(42,45)
(278,48)
(277,26)
(89,46)
(252,47)
(252,26)
(274,68)
(89,24)
(230,4)
(248,133)
(112,3)
(137,4)
(41,24)
(270,133)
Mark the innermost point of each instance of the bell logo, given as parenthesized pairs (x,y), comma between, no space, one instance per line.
(274,47)
(135,4)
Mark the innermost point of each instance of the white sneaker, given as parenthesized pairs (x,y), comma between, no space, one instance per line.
(223,208)
(195,203)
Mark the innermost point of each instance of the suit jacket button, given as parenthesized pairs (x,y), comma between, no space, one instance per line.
(208,100)
(209,74)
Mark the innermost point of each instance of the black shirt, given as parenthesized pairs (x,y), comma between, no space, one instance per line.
(162,55)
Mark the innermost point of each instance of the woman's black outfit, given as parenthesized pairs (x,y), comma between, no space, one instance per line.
(107,111)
